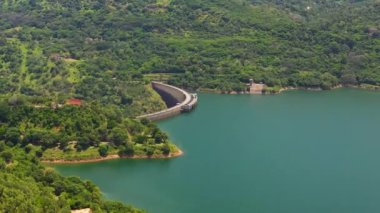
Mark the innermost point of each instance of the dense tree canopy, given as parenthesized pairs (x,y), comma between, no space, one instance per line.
(72,129)
(100,49)
(27,186)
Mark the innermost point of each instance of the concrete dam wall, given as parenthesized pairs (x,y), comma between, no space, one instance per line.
(177,100)
(170,94)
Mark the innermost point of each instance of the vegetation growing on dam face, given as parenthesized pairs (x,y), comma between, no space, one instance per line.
(27,186)
(69,132)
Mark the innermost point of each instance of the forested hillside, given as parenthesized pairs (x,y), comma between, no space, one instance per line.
(96,49)
(76,133)
(27,186)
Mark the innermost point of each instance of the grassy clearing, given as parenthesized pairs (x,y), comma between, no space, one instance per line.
(23,67)
(74,74)
(90,153)
(163,2)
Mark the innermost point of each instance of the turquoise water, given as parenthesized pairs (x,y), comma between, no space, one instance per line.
(294,152)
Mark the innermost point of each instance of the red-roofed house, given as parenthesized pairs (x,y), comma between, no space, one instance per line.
(74,102)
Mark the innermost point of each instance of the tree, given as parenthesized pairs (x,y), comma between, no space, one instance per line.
(49,139)
(12,136)
(160,137)
(103,150)
(39,153)
(349,78)
(33,136)
(3,130)
(28,148)
(141,139)
(59,187)
(149,151)
(4,112)
(64,142)
(126,100)
(2,146)
(145,121)
(119,136)
(7,156)
(127,150)
(328,81)
(165,149)
(83,143)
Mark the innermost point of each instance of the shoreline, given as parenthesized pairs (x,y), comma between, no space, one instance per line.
(180,152)
(284,89)
(339,86)
(113,157)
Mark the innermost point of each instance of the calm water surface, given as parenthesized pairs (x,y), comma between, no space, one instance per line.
(295,152)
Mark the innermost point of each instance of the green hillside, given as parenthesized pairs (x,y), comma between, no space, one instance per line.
(27,186)
(94,49)
(105,52)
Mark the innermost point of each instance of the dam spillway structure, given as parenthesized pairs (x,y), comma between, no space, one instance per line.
(177,100)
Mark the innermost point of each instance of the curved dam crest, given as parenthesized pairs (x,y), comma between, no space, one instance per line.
(177,100)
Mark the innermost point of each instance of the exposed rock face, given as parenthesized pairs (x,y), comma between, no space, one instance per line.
(256,88)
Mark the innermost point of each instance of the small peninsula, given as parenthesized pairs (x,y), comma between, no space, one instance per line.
(80,131)
(76,131)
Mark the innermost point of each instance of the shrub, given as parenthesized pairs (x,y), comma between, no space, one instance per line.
(103,150)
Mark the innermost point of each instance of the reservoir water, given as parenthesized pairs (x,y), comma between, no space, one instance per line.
(295,152)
